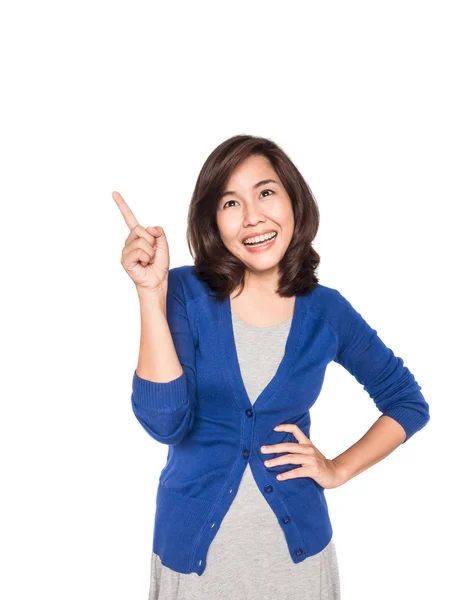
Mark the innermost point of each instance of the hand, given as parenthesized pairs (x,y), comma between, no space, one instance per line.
(314,464)
(145,256)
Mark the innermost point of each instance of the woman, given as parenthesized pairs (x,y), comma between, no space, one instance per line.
(232,347)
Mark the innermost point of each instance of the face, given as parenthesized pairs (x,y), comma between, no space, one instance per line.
(251,206)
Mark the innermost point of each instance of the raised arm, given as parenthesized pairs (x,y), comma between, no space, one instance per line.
(163,388)
(164,383)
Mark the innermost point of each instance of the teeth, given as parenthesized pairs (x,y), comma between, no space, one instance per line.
(260,238)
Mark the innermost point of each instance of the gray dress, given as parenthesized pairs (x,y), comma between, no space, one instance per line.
(248,558)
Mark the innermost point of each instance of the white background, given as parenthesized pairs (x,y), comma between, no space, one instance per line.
(133,96)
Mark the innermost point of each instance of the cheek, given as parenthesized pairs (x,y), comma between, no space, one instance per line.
(229,230)
(285,216)
(281,210)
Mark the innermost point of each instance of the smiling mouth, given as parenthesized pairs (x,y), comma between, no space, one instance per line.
(261,247)
(255,245)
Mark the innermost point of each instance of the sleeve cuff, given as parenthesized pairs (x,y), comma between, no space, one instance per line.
(161,397)
(411,420)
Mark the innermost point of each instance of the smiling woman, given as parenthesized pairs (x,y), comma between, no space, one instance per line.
(249,187)
(241,364)
(258,225)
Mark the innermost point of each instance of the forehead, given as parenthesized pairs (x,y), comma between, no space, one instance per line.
(250,175)
(250,170)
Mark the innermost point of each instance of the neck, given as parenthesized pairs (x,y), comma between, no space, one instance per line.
(261,283)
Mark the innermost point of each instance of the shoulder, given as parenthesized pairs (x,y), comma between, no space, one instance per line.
(341,315)
(184,280)
(332,307)
(326,302)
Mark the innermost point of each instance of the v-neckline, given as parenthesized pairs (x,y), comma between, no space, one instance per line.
(284,367)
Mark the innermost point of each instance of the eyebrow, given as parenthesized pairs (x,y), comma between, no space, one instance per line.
(263,182)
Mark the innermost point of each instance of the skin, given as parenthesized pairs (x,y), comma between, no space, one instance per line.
(249,211)
(313,463)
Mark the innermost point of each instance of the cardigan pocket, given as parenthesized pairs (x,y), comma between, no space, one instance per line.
(178,524)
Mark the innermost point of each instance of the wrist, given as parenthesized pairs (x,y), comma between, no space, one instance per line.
(161,290)
(156,296)
(341,473)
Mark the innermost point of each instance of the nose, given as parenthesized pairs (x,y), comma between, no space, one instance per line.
(253,216)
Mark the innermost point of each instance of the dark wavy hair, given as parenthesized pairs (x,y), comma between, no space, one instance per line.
(213,262)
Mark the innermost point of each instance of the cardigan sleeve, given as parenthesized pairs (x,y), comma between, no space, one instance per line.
(384,375)
(166,410)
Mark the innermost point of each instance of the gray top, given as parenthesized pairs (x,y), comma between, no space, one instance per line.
(248,558)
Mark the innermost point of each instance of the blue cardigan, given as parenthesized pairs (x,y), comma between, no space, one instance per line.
(212,430)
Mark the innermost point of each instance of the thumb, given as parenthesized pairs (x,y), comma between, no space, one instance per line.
(156,230)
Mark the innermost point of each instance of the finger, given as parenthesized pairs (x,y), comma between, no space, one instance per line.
(295,430)
(140,232)
(129,217)
(156,231)
(288,459)
(136,255)
(141,244)
(295,473)
(287,447)
(144,258)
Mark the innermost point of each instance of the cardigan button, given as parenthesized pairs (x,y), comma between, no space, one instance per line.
(298,551)
(249,412)
(286,519)
(268,488)
(246,453)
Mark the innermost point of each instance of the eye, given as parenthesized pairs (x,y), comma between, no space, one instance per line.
(271,192)
(225,205)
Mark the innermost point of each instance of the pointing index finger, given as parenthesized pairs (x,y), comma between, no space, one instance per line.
(126,211)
